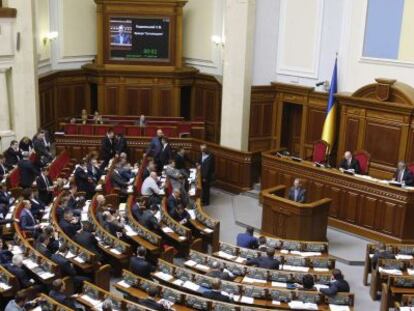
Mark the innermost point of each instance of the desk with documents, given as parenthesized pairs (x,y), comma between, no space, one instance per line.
(360,204)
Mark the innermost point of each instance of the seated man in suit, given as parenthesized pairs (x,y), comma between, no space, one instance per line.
(149,220)
(37,207)
(403,174)
(220,273)
(140,266)
(381,253)
(265,262)
(45,186)
(138,209)
(180,215)
(297,193)
(112,225)
(28,171)
(6,200)
(16,268)
(247,240)
(74,201)
(41,244)
(94,170)
(27,220)
(337,284)
(83,181)
(86,238)
(13,154)
(118,181)
(58,293)
(349,163)
(69,224)
(5,254)
(214,293)
(150,301)
(173,200)
(3,169)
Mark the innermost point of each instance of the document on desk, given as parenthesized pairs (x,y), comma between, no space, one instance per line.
(191,286)
(320,286)
(225,255)
(190,263)
(30,264)
(124,284)
(192,213)
(208,230)
(178,282)
(79,259)
(246,279)
(247,300)
(299,305)
(167,230)
(46,275)
(202,267)
(403,257)
(295,268)
(321,269)
(115,251)
(343,308)
(4,286)
(163,276)
(91,300)
(240,260)
(279,284)
(390,271)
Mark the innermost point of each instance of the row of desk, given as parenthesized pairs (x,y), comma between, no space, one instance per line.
(359,204)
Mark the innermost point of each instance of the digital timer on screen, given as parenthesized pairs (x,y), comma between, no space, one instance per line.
(139,39)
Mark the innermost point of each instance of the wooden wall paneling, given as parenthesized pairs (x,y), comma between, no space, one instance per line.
(166,104)
(111,99)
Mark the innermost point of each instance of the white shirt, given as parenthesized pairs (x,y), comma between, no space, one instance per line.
(149,187)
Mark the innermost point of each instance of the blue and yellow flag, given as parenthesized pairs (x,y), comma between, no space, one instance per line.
(329,127)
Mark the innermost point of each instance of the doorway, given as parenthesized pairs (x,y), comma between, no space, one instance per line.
(291,128)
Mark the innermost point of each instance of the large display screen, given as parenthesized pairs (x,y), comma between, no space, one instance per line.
(139,39)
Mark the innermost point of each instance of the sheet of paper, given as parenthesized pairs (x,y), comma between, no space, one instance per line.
(167,230)
(345,308)
(279,284)
(92,301)
(122,206)
(79,259)
(295,268)
(225,255)
(248,300)
(124,284)
(240,260)
(191,286)
(390,271)
(202,267)
(190,263)
(321,269)
(182,238)
(30,264)
(46,275)
(208,230)
(115,251)
(320,286)
(178,282)
(246,279)
(4,286)
(163,276)
(403,257)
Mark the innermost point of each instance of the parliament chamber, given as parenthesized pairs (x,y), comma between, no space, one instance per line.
(218,155)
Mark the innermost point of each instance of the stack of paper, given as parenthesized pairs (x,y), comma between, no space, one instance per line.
(246,279)
(279,284)
(225,255)
(4,286)
(295,268)
(167,230)
(203,267)
(247,300)
(163,276)
(124,284)
(390,271)
(320,286)
(190,263)
(46,275)
(343,308)
(403,257)
(191,286)
(299,305)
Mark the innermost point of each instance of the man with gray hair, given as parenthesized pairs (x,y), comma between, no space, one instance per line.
(16,268)
(348,163)
(107,305)
(403,174)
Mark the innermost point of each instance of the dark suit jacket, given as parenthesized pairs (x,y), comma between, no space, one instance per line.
(27,222)
(107,149)
(64,264)
(137,212)
(146,173)
(63,299)
(20,274)
(89,241)
(118,181)
(180,162)
(3,170)
(336,287)
(121,145)
(152,304)
(5,256)
(141,267)
(68,228)
(177,217)
(25,147)
(207,168)
(12,157)
(247,241)
(95,175)
(43,250)
(172,203)
(82,181)
(154,148)
(40,148)
(301,197)
(5,198)
(407,177)
(37,208)
(149,221)
(216,295)
(28,173)
(264,262)
(354,165)
(113,228)
(45,195)
(165,155)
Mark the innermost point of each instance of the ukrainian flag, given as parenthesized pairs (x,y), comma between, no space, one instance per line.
(329,127)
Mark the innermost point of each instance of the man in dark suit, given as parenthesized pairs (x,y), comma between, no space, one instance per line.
(265,262)
(180,215)
(86,238)
(58,293)
(107,148)
(83,181)
(16,268)
(6,200)
(215,293)
(220,273)
(207,174)
(149,220)
(41,244)
(27,220)
(5,254)
(140,266)
(155,147)
(247,240)
(13,154)
(118,181)
(166,152)
(338,284)
(403,174)
(45,186)
(69,224)
(173,200)
(42,151)
(150,301)
(349,163)
(381,253)
(181,159)
(3,169)
(28,171)
(297,193)
(122,37)
(121,144)
(137,210)
(94,170)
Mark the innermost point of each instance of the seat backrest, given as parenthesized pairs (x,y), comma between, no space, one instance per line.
(320,151)
(410,167)
(363,158)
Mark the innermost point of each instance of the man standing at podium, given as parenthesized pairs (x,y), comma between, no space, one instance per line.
(403,175)
(297,193)
(349,163)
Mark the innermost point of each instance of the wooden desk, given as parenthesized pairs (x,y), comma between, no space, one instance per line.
(291,220)
(359,205)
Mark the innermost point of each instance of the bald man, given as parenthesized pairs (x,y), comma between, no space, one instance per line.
(349,163)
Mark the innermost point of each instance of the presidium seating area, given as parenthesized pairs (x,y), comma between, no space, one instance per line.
(180,284)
